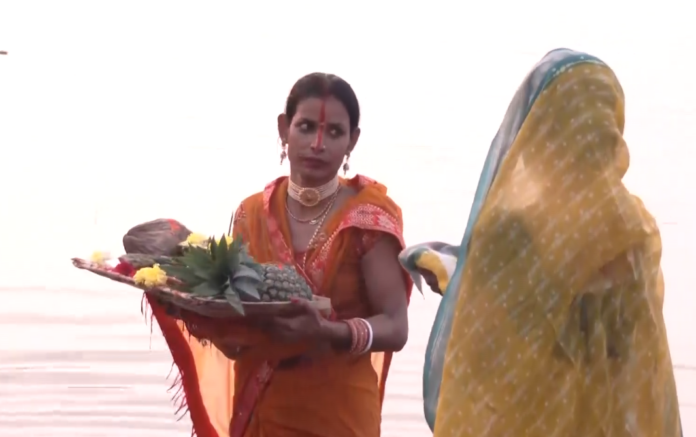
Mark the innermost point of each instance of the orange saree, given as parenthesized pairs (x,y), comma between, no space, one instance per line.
(260,394)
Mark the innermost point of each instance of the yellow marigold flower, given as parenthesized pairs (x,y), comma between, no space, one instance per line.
(196,239)
(100,258)
(200,240)
(150,277)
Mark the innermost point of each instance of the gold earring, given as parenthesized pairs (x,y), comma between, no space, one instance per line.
(283,152)
(346,165)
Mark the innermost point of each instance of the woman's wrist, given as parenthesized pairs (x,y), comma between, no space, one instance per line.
(336,333)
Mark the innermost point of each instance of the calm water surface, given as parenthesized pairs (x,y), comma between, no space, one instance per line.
(113,113)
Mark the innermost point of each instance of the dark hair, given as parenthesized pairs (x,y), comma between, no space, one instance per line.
(323,85)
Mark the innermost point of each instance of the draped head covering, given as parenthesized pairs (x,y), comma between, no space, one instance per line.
(551,323)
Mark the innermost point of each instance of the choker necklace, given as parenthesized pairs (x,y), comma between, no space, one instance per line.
(314,220)
(312,196)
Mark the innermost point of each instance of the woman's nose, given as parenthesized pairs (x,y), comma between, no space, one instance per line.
(318,142)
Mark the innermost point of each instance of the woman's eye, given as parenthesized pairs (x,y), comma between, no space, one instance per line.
(304,127)
(334,132)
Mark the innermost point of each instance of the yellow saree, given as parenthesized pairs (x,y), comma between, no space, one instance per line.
(557,326)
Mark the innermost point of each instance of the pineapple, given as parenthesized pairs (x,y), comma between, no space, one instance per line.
(227,271)
(281,283)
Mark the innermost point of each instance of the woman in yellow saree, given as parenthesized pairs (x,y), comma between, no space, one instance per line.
(551,324)
(304,376)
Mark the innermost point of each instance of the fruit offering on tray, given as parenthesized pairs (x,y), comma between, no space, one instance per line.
(210,276)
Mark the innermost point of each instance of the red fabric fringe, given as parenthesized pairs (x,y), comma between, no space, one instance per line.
(187,395)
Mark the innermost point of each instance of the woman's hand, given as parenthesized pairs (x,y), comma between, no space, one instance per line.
(431,280)
(210,331)
(306,323)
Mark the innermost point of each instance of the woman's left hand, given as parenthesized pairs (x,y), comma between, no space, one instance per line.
(306,323)
(430,279)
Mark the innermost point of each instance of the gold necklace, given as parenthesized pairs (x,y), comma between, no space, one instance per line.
(316,231)
(314,220)
(312,196)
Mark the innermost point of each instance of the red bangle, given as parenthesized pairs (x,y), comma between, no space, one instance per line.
(360,334)
(366,330)
(353,334)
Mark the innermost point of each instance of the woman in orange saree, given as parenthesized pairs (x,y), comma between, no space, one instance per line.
(344,237)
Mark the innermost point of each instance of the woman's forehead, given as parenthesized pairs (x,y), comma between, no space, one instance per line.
(334,111)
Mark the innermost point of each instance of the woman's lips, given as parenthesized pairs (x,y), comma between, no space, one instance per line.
(313,162)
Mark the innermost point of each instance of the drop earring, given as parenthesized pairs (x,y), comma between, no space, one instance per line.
(283,152)
(346,165)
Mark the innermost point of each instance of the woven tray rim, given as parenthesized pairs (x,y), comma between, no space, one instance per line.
(321,303)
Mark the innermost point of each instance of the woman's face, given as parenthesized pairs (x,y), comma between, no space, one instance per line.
(318,139)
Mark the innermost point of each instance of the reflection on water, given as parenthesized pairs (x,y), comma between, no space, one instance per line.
(94,370)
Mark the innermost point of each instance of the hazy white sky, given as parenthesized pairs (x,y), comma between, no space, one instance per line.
(200,73)
(115,96)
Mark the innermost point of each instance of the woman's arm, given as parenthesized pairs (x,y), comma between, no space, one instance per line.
(387,295)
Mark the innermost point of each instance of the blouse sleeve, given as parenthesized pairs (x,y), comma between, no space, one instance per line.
(367,241)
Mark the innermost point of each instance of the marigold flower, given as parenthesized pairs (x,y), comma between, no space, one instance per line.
(196,239)
(201,240)
(150,277)
(100,258)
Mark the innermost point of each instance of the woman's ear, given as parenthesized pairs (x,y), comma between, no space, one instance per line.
(283,127)
(354,137)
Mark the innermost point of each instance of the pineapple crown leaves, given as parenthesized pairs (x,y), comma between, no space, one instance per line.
(221,270)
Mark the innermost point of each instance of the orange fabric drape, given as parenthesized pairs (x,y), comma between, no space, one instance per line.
(295,401)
